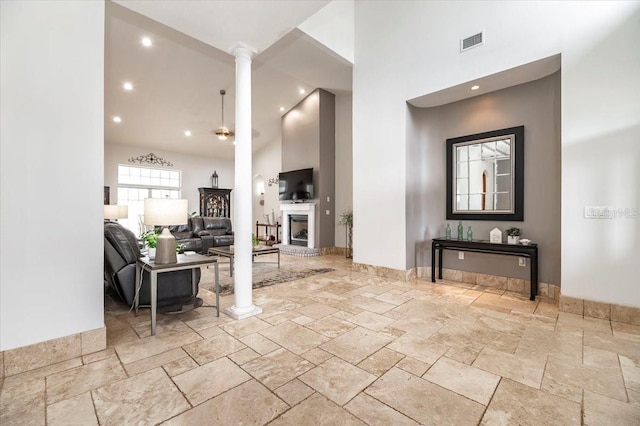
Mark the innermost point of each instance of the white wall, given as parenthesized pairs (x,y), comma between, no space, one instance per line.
(333,26)
(419,54)
(51,134)
(196,170)
(268,163)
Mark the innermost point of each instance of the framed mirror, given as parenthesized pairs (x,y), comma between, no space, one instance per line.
(485,176)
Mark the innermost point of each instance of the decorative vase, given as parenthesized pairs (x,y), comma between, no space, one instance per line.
(349,250)
(152,253)
(513,239)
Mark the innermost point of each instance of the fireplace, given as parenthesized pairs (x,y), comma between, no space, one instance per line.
(299,230)
(295,218)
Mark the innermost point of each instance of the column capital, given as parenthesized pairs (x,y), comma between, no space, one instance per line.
(242,50)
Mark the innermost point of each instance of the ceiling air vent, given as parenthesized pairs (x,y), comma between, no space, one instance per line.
(473,41)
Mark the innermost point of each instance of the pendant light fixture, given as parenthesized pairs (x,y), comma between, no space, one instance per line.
(223,132)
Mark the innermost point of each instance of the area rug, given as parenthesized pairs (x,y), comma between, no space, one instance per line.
(264,274)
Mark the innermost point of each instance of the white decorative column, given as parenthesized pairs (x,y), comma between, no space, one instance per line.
(243,306)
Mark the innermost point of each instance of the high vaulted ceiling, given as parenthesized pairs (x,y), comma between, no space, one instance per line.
(176,82)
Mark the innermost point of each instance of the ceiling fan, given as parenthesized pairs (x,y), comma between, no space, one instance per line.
(223,132)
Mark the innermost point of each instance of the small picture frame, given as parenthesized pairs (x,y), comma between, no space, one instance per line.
(106,196)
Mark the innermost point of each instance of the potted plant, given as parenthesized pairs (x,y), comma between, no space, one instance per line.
(346,219)
(513,235)
(255,240)
(151,240)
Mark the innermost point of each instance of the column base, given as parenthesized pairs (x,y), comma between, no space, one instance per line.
(242,313)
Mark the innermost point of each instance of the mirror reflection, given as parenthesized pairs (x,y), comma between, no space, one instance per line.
(484,175)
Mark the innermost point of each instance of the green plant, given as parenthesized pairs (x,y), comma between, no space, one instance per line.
(346,218)
(514,232)
(255,240)
(180,248)
(151,238)
(193,214)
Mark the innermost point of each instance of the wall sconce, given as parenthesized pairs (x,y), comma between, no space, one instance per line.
(214,179)
(273,181)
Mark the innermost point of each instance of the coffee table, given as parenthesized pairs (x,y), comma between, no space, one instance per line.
(229,253)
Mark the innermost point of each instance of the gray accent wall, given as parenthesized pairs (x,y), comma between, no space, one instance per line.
(536,105)
(308,140)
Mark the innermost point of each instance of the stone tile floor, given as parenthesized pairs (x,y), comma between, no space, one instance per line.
(346,348)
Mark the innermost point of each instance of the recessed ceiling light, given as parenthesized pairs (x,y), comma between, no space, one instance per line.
(281,109)
(187,132)
(127,86)
(302,91)
(146,41)
(117,119)
(475,87)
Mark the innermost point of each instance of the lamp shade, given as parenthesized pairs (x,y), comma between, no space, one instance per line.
(165,211)
(111,211)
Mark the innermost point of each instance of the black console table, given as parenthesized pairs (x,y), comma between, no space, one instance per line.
(530,251)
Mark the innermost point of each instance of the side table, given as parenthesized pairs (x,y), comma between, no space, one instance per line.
(184,262)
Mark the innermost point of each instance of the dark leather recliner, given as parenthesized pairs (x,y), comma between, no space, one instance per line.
(120,254)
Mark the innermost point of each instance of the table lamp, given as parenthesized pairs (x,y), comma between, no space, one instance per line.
(115,211)
(165,212)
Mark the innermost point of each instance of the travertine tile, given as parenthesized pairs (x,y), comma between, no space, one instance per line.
(245,327)
(337,380)
(597,309)
(316,356)
(331,326)
(371,320)
(153,345)
(407,394)
(148,398)
(210,380)
(179,366)
(260,407)
(277,368)
(626,331)
(491,281)
(154,361)
(67,384)
(317,410)
(516,404)
(28,411)
(469,277)
(471,382)
(526,306)
(356,345)
(527,371)
(418,347)
(370,304)
(381,361)
(38,375)
(624,314)
(571,305)
(316,310)
(74,411)
(547,342)
(374,412)
(413,366)
(98,356)
(567,378)
(294,337)
(600,410)
(41,354)
(516,284)
(631,373)
(93,340)
(293,392)
(204,351)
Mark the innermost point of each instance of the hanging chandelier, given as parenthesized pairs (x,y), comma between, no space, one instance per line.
(223,132)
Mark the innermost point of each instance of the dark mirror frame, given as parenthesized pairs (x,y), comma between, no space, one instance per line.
(518,188)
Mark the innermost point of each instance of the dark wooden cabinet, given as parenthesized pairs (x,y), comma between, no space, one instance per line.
(215,202)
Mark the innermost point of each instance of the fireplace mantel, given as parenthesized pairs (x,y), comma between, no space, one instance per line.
(302,209)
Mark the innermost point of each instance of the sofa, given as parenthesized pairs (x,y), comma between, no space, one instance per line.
(121,252)
(202,233)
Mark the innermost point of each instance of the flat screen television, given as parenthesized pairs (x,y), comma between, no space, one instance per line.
(296,185)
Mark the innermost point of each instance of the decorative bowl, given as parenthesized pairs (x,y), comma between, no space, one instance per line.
(525,242)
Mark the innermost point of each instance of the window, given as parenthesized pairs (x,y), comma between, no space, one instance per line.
(137,183)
